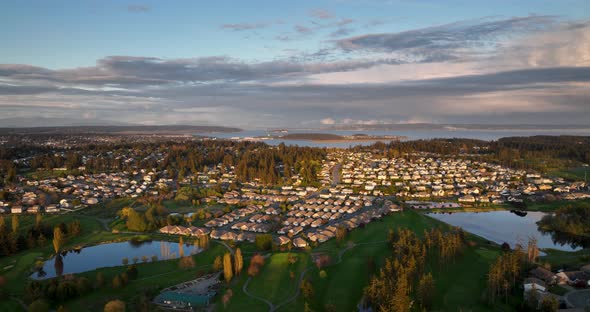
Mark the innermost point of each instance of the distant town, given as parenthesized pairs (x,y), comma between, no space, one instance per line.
(229,197)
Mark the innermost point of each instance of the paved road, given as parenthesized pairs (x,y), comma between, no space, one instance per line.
(578,298)
(224,244)
(336,174)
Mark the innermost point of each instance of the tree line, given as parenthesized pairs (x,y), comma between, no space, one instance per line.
(406,276)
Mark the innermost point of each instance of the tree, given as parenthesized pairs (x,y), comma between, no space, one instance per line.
(400,301)
(58,239)
(74,228)
(132,272)
(263,241)
(125,261)
(532,250)
(115,306)
(340,233)
(186,262)
(41,240)
(180,247)
(39,305)
(426,290)
(66,290)
(15,223)
(117,282)
(217,263)
(38,219)
(307,289)
(549,304)
(99,283)
(238,261)
(256,263)
(135,221)
(226,297)
(227,267)
(83,285)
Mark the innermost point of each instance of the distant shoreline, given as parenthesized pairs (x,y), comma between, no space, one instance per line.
(334,138)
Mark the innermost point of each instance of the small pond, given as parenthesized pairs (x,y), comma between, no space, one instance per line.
(109,255)
(506,226)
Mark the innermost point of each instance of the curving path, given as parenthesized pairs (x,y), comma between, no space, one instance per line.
(231,251)
(273,307)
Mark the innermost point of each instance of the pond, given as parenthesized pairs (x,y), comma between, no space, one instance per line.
(109,255)
(506,226)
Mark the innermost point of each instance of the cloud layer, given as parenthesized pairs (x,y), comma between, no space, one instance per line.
(533,69)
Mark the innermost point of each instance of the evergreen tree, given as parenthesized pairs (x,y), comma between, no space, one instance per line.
(426,290)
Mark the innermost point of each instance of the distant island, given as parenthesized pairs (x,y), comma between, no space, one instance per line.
(334,138)
(454,127)
(122,130)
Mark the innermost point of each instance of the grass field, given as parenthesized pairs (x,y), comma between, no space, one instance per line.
(574,174)
(10,305)
(566,260)
(459,286)
(554,205)
(276,272)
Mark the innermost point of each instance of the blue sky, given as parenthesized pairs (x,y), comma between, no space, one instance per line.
(171,59)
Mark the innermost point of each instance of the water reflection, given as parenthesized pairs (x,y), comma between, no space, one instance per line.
(108,255)
(510,227)
(58,264)
(565,239)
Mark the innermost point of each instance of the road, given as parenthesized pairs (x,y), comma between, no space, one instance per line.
(336,174)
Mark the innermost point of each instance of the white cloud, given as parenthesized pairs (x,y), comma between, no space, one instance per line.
(328,121)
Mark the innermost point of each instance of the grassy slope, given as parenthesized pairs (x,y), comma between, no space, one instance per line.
(575,173)
(344,283)
(342,287)
(554,205)
(276,272)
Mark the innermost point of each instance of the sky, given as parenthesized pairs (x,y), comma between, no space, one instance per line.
(260,64)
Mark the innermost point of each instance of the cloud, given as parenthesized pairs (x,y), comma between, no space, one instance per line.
(327,121)
(321,14)
(345,21)
(138,8)
(446,42)
(303,30)
(243,26)
(541,75)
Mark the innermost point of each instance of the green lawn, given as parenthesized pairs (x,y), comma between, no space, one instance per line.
(566,260)
(343,286)
(574,174)
(109,209)
(553,205)
(10,305)
(276,272)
